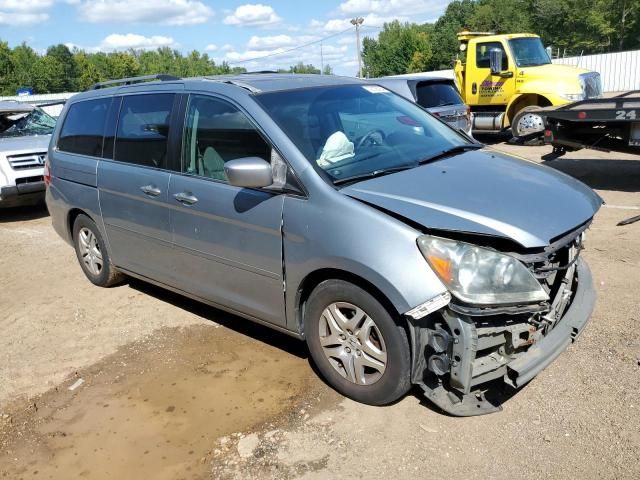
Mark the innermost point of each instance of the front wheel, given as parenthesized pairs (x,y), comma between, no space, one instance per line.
(527,121)
(356,344)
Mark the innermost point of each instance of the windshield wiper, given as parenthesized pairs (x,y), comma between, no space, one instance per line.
(374,174)
(451,151)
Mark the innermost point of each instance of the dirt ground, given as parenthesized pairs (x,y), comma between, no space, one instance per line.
(135,382)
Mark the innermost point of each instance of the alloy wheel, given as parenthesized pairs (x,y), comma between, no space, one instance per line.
(90,251)
(352,343)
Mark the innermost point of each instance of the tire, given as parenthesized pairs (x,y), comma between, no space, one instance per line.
(92,253)
(527,121)
(371,339)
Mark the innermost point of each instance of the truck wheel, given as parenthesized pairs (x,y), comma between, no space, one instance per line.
(92,253)
(356,344)
(527,121)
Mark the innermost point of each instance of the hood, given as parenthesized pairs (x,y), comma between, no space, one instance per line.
(9,107)
(566,78)
(486,193)
(31,143)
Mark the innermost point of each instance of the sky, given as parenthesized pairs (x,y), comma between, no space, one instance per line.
(256,36)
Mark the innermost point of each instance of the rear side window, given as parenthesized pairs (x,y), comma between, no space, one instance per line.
(482,55)
(83,127)
(143,129)
(437,94)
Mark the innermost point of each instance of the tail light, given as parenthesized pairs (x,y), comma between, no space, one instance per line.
(47,171)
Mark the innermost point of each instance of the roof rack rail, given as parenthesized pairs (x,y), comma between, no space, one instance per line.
(131,80)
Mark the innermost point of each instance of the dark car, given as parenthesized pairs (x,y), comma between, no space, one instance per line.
(437,94)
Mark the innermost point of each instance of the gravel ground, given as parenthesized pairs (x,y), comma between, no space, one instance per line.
(578,419)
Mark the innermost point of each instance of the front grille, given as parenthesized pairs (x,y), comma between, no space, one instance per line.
(26,161)
(34,179)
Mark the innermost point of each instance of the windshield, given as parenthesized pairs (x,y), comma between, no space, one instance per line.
(529,52)
(35,122)
(355,130)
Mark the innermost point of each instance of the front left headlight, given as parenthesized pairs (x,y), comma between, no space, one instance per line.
(480,276)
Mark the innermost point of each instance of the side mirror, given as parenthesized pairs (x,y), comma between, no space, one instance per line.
(495,61)
(248,172)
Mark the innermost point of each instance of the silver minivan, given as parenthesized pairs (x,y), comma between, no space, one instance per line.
(333,210)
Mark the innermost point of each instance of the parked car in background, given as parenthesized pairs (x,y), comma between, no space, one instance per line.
(437,94)
(336,211)
(25,132)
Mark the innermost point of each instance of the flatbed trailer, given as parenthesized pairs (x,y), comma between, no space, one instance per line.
(607,124)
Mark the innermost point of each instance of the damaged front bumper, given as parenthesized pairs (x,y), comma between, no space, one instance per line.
(461,360)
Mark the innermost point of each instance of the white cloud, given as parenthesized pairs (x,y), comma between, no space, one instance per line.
(116,41)
(279,41)
(227,47)
(15,19)
(24,12)
(281,58)
(212,47)
(169,12)
(403,8)
(30,6)
(253,15)
(370,20)
(234,56)
(267,43)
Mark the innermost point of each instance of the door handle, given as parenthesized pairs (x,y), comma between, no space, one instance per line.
(185,198)
(151,190)
(474,88)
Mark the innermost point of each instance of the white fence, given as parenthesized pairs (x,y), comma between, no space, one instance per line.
(53,110)
(618,71)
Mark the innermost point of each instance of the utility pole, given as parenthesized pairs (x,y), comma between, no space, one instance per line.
(321,61)
(357,22)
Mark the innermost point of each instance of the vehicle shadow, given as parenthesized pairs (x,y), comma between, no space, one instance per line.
(22,214)
(621,175)
(238,324)
(492,138)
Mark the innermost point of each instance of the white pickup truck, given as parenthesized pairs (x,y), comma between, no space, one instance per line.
(24,138)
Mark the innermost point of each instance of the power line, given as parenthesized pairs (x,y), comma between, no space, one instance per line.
(291,49)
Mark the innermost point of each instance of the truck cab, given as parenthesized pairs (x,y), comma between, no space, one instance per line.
(506,79)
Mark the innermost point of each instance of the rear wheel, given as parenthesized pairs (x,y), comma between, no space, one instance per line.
(527,121)
(355,343)
(92,253)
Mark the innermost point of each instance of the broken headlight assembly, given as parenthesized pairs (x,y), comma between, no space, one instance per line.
(480,276)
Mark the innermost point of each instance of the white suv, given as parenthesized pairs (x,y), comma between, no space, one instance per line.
(25,131)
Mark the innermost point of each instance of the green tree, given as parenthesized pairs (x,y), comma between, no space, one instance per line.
(48,75)
(60,54)
(302,68)
(6,69)
(24,60)
(400,48)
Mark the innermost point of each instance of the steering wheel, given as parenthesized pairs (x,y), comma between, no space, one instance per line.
(369,136)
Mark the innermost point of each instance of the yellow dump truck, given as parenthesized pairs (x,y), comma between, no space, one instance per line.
(505,79)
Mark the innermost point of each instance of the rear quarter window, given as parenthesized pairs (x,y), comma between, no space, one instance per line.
(437,94)
(143,129)
(83,128)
